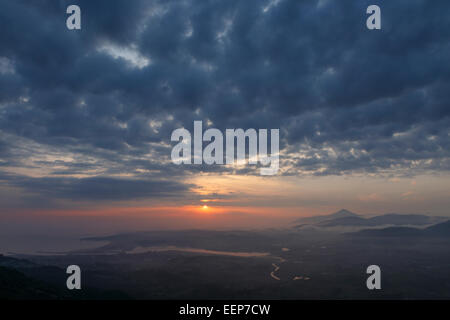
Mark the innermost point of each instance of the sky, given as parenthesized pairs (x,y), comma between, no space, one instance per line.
(86,115)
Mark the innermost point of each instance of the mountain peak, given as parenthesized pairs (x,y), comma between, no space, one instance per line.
(344,213)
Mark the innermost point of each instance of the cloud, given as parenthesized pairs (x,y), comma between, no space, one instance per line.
(347,100)
(93,189)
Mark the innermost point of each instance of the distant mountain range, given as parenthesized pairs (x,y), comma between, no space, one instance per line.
(437,230)
(346,218)
(24,280)
(318,219)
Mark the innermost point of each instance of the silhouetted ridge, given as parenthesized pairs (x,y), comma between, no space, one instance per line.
(438,230)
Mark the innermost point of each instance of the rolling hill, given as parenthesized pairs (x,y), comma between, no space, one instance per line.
(437,230)
(319,219)
(345,218)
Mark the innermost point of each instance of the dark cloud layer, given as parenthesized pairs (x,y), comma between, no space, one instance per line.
(345,98)
(100,188)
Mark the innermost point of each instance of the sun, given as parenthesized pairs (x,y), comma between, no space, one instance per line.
(205,207)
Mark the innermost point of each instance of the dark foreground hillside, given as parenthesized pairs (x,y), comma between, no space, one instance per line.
(23,280)
(15,285)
